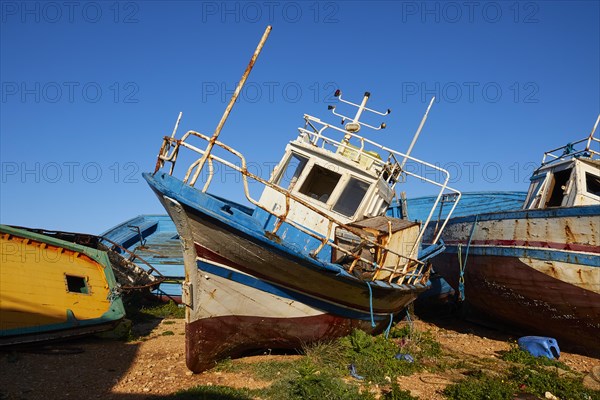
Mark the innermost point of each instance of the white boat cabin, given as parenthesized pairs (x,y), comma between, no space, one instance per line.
(567,177)
(338,178)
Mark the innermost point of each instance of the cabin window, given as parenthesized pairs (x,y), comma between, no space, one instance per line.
(292,171)
(592,183)
(351,197)
(558,189)
(76,284)
(319,183)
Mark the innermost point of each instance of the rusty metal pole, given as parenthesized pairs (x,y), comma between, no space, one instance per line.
(232,101)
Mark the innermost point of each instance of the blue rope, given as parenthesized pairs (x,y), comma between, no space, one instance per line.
(387,331)
(371,304)
(409,319)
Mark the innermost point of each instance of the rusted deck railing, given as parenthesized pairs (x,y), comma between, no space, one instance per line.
(406,270)
(570,150)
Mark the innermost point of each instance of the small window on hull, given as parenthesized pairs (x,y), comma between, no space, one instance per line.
(351,197)
(320,183)
(292,172)
(592,183)
(76,284)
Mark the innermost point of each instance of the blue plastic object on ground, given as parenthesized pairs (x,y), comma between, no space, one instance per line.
(405,357)
(540,346)
(353,373)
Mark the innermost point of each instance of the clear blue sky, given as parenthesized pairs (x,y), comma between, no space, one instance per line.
(89,89)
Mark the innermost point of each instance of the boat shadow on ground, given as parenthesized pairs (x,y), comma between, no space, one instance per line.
(84,367)
(464,319)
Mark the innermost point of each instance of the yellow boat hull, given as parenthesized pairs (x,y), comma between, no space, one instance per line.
(51,287)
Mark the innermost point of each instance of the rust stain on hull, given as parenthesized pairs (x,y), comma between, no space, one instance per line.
(205,344)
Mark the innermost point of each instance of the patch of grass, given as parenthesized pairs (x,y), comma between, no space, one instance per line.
(310,382)
(415,341)
(227,365)
(164,310)
(273,370)
(516,355)
(211,393)
(538,381)
(167,333)
(396,393)
(270,370)
(535,380)
(374,358)
(140,309)
(168,322)
(480,386)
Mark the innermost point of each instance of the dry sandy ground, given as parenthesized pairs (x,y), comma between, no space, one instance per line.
(110,369)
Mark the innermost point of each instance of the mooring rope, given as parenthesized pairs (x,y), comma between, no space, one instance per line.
(462,265)
(387,330)
(371,304)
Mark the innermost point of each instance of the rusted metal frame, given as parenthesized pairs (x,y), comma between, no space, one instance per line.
(246,174)
(211,173)
(383,255)
(406,270)
(354,262)
(591,136)
(281,219)
(139,232)
(161,278)
(324,241)
(443,186)
(588,140)
(232,101)
(163,154)
(307,205)
(169,142)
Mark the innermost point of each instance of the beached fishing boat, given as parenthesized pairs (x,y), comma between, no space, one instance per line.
(316,256)
(418,208)
(153,238)
(537,267)
(52,288)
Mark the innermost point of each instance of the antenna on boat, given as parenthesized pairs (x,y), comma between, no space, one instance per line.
(232,101)
(417,133)
(354,124)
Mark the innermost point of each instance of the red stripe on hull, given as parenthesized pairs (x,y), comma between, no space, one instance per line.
(507,289)
(211,339)
(531,243)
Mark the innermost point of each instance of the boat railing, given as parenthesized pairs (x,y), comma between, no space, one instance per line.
(407,269)
(573,149)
